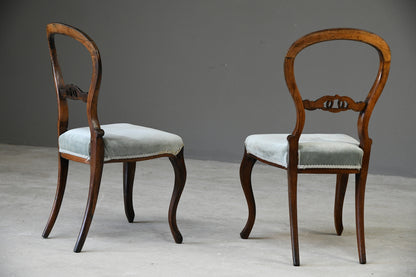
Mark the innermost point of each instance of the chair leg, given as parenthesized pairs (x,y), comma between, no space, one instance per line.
(179,168)
(96,169)
(245,177)
(360,182)
(60,190)
(341,186)
(293,215)
(129,169)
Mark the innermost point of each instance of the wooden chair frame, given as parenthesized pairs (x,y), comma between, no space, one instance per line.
(332,104)
(96,161)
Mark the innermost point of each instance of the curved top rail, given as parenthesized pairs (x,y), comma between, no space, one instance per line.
(75,33)
(340,34)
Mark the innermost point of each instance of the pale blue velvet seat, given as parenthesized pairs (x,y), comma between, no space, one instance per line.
(315,150)
(121,141)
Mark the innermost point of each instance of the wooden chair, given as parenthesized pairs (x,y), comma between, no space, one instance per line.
(319,153)
(98,144)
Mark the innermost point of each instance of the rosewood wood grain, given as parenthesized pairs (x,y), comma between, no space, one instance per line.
(73,92)
(332,104)
(52,30)
(96,161)
(292,181)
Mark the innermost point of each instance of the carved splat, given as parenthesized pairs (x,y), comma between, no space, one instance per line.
(334,104)
(73,92)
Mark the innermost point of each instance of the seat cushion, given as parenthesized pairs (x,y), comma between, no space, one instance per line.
(315,150)
(121,141)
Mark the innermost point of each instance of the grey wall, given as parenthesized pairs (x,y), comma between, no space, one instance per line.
(210,71)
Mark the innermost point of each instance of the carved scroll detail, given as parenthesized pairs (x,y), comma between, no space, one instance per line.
(73,92)
(334,104)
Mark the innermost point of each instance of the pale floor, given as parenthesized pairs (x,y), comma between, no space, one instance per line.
(211,214)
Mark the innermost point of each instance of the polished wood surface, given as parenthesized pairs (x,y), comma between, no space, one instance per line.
(178,164)
(326,103)
(60,190)
(334,104)
(246,168)
(73,92)
(340,188)
(129,169)
(96,161)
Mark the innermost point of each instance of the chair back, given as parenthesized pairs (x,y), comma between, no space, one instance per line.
(71,91)
(336,103)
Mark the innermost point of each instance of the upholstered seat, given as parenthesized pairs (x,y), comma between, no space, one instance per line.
(121,141)
(315,150)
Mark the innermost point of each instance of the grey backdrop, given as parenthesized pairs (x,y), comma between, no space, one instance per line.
(210,71)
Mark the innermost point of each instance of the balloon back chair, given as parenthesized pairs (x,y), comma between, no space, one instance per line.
(337,154)
(98,144)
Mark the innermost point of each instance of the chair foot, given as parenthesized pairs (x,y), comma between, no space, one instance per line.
(296,261)
(244,234)
(363,259)
(246,168)
(177,236)
(60,190)
(179,168)
(129,169)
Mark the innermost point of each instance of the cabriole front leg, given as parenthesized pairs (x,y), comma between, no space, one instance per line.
(341,186)
(246,168)
(129,169)
(178,164)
